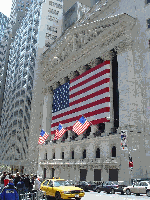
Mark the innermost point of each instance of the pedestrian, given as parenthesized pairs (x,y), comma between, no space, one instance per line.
(31,182)
(27,183)
(9,192)
(2,180)
(6,180)
(17,179)
(37,183)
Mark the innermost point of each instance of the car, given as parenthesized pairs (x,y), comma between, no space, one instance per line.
(143,187)
(109,186)
(59,189)
(84,185)
(92,186)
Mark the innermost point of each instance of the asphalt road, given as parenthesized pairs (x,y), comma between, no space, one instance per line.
(117,196)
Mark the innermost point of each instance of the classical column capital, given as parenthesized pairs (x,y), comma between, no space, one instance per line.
(71,75)
(50,90)
(81,69)
(44,91)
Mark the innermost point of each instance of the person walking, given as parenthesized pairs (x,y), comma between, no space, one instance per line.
(17,179)
(6,180)
(9,192)
(27,183)
(37,183)
(2,179)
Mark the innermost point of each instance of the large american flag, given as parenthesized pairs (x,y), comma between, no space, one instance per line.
(87,94)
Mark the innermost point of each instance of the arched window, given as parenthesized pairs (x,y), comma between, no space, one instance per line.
(88,131)
(53,155)
(113,151)
(46,156)
(97,153)
(62,155)
(84,153)
(72,154)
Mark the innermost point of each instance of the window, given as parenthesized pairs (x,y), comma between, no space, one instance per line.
(147,1)
(84,153)
(149,44)
(45,183)
(113,151)
(53,155)
(62,155)
(148,23)
(46,156)
(98,153)
(72,154)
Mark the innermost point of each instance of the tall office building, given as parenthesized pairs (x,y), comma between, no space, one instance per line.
(18,88)
(4,33)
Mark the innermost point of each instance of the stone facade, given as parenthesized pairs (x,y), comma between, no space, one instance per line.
(106,34)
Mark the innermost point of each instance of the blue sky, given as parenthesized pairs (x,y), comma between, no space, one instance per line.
(5,7)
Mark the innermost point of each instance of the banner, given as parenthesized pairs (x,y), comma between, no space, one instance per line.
(124,140)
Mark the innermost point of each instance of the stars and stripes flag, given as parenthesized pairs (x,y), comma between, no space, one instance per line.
(43,136)
(81,125)
(86,95)
(59,132)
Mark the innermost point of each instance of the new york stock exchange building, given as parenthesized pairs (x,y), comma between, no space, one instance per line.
(98,68)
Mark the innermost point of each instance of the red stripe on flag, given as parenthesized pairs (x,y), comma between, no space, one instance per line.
(89,71)
(92,113)
(107,99)
(91,78)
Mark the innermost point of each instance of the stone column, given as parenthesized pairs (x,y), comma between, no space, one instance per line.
(127,88)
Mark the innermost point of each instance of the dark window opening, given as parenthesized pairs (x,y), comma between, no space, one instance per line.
(53,155)
(88,131)
(98,153)
(113,174)
(101,127)
(115,89)
(147,1)
(72,154)
(97,174)
(113,151)
(83,174)
(45,156)
(62,155)
(84,153)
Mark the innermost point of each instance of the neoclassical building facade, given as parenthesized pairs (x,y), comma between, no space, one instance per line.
(114,31)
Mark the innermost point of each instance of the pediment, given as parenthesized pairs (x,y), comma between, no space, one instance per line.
(76,46)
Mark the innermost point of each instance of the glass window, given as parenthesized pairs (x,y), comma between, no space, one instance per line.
(50,184)
(147,1)
(148,23)
(45,183)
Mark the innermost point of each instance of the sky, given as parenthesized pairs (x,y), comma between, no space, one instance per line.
(5,7)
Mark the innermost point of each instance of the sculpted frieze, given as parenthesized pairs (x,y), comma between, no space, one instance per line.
(81,43)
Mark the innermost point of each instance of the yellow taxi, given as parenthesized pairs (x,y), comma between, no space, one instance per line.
(59,189)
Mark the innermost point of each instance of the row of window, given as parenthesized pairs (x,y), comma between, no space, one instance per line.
(97,154)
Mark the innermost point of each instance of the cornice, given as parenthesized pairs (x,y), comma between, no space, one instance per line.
(79,47)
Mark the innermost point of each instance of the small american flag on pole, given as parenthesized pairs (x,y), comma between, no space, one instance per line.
(59,132)
(81,125)
(43,136)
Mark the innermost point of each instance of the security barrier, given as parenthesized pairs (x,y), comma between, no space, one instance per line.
(39,195)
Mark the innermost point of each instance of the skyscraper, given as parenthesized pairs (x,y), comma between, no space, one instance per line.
(18,88)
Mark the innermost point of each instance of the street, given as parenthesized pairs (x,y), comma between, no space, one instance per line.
(118,196)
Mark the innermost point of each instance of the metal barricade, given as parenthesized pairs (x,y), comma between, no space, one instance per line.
(39,195)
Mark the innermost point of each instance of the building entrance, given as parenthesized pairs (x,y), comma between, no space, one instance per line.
(97,174)
(113,174)
(83,173)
